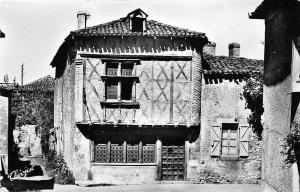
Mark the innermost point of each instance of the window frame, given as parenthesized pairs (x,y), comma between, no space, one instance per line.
(236,128)
(125,154)
(130,80)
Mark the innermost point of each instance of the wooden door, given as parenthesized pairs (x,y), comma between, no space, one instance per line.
(173,163)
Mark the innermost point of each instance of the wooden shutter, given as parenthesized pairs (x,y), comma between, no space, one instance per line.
(215,141)
(244,140)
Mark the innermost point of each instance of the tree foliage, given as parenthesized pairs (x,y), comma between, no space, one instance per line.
(34,108)
(37,108)
(253,94)
(291,146)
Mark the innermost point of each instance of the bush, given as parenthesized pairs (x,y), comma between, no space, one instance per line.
(57,168)
(291,146)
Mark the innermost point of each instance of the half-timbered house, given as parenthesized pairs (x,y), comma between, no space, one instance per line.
(128,99)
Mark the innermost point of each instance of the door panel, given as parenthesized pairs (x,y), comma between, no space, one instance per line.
(173,163)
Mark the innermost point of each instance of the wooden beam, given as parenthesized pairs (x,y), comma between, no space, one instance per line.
(141,57)
(158,153)
(124,151)
(186,157)
(108,151)
(141,152)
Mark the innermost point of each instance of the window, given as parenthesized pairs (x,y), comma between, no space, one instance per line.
(119,83)
(137,20)
(230,140)
(112,69)
(137,24)
(115,153)
(112,90)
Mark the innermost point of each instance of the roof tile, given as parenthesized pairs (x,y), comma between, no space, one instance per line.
(223,65)
(120,27)
(45,84)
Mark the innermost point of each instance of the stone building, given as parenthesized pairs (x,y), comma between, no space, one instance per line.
(281,89)
(4,126)
(128,102)
(2,35)
(229,152)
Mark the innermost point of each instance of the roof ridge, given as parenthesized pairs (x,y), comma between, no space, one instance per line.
(180,28)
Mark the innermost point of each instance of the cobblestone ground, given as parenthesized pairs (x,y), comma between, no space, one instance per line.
(161,188)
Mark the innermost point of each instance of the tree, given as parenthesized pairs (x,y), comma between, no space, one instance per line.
(253,94)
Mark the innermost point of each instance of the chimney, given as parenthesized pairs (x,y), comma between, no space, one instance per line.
(82,17)
(234,49)
(210,48)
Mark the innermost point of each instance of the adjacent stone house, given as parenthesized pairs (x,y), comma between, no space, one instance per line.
(228,151)
(281,89)
(132,95)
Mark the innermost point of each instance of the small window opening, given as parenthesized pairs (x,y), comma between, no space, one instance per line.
(137,24)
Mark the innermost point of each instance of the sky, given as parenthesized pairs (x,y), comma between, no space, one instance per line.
(35,29)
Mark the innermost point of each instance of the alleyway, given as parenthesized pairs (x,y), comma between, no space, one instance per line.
(162,188)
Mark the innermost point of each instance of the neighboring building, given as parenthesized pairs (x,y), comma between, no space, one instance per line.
(229,151)
(4,127)
(2,35)
(281,89)
(127,103)
(44,84)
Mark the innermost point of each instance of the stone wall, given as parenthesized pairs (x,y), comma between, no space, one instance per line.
(223,103)
(4,130)
(117,174)
(277,101)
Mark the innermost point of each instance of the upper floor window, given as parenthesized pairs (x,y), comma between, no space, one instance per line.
(119,80)
(230,140)
(137,20)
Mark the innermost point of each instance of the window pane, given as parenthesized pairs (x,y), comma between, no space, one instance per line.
(112,91)
(112,69)
(232,150)
(132,153)
(224,149)
(127,69)
(101,153)
(116,153)
(148,153)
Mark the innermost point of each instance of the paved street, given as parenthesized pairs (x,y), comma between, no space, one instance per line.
(162,188)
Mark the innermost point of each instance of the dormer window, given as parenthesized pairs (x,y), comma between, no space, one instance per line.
(137,20)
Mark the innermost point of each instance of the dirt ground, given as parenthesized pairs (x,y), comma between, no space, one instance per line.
(162,188)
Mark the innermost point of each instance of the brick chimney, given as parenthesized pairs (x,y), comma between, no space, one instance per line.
(234,49)
(210,48)
(82,17)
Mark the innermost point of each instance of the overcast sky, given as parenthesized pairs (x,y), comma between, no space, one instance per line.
(35,29)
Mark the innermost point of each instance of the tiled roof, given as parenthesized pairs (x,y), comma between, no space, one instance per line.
(230,66)
(261,11)
(45,84)
(120,27)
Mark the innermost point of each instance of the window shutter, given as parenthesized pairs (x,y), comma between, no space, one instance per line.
(244,140)
(215,141)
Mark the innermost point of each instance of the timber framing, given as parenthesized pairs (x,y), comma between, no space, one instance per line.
(156,57)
